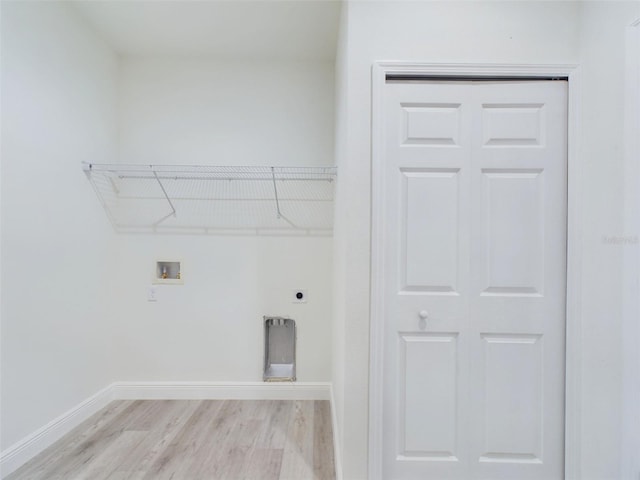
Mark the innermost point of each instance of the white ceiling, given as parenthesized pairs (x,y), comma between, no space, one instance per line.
(243,29)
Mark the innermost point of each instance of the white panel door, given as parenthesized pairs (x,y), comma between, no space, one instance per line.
(475,272)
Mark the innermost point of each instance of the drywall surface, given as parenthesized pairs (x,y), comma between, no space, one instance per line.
(439,32)
(58,109)
(202,111)
(75,314)
(249,29)
(602,145)
(211,327)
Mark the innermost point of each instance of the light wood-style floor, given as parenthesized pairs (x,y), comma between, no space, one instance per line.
(192,440)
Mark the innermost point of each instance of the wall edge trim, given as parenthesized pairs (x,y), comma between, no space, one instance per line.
(337,452)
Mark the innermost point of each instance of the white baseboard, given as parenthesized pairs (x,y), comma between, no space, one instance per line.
(221,390)
(21,452)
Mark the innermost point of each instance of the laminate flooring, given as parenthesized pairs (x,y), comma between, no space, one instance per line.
(193,440)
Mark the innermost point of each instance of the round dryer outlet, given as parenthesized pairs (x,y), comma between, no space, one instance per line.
(299,296)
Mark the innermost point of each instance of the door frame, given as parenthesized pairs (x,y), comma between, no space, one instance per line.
(574,241)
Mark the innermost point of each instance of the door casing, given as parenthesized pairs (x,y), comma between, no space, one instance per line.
(574,251)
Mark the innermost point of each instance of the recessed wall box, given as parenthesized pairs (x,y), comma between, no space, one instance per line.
(168,272)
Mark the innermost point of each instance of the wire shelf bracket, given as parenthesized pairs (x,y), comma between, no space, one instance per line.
(216,200)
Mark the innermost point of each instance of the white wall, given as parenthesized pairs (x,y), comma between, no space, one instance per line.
(202,111)
(602,46)
(210,328)
(198,110)
(58,109)
(498,32)
(75,315)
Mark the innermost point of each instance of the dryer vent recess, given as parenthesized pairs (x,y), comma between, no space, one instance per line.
(279,349)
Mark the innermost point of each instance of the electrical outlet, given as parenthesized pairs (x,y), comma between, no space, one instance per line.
(299,296)
(152,293)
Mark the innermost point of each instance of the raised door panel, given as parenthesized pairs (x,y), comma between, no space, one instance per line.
(429,245)
(512,392)
(428,128)
(428,397)
(513,232)
(513,125)
(431,124)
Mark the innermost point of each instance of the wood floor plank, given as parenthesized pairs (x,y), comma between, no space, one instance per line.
(149,413)
(235,435)
(194,440)
(169,420)
(88,450)
(274,433)
(249,423)
(263,464)
(174,462)
(94,445)
(90,446)
(323,464)
(34,469)
(102,465)
(215,455)
(297,457)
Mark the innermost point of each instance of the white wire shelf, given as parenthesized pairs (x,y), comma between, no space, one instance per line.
(216,199)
